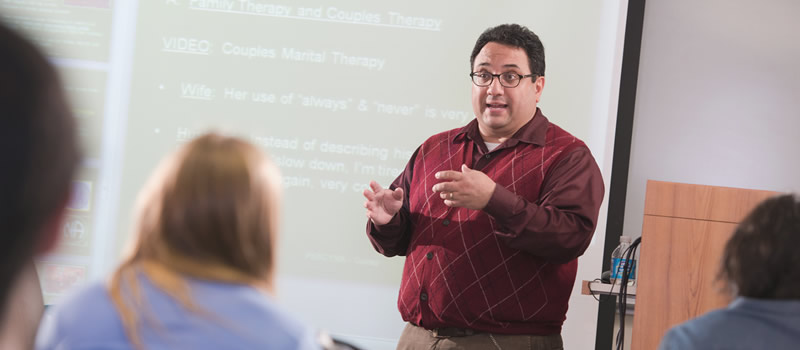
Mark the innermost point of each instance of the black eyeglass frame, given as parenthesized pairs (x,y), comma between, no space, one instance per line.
(520,76)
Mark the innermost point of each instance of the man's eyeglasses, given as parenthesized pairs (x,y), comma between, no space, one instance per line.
(507,79)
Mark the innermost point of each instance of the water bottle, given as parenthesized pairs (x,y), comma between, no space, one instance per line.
(619,263)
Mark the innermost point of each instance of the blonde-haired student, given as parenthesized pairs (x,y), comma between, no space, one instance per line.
(199,272)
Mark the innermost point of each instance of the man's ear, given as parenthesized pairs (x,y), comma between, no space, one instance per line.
(538,86)
(52,229)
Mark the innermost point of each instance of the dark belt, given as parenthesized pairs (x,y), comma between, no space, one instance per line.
(447,332)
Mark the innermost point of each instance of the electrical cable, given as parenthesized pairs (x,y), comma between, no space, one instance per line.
(622,302)
(591,291)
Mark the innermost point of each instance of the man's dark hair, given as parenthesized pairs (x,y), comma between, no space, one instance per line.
(761,259)
(513,35)
(38,153)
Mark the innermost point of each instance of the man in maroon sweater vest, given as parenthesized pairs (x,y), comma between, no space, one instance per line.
(491,217)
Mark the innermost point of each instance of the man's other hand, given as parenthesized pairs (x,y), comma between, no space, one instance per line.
(467,188)
(382,203)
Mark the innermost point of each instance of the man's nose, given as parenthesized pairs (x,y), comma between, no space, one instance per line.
(495,88)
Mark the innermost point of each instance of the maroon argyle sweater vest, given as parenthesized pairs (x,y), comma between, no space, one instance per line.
(458,272)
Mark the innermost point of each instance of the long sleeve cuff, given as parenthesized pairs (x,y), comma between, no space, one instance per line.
(503,204)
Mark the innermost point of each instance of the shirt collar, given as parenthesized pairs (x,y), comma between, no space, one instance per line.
(534,131)
(773,306)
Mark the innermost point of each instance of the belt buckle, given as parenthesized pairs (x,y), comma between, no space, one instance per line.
(441,333)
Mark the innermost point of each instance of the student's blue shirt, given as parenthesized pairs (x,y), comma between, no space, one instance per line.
(745,324)
(233,317)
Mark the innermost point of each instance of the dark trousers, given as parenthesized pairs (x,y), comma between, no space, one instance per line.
(418,338)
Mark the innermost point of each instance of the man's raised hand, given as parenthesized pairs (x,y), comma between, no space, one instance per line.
(382,203)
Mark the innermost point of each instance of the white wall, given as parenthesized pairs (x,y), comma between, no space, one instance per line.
(718,98)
